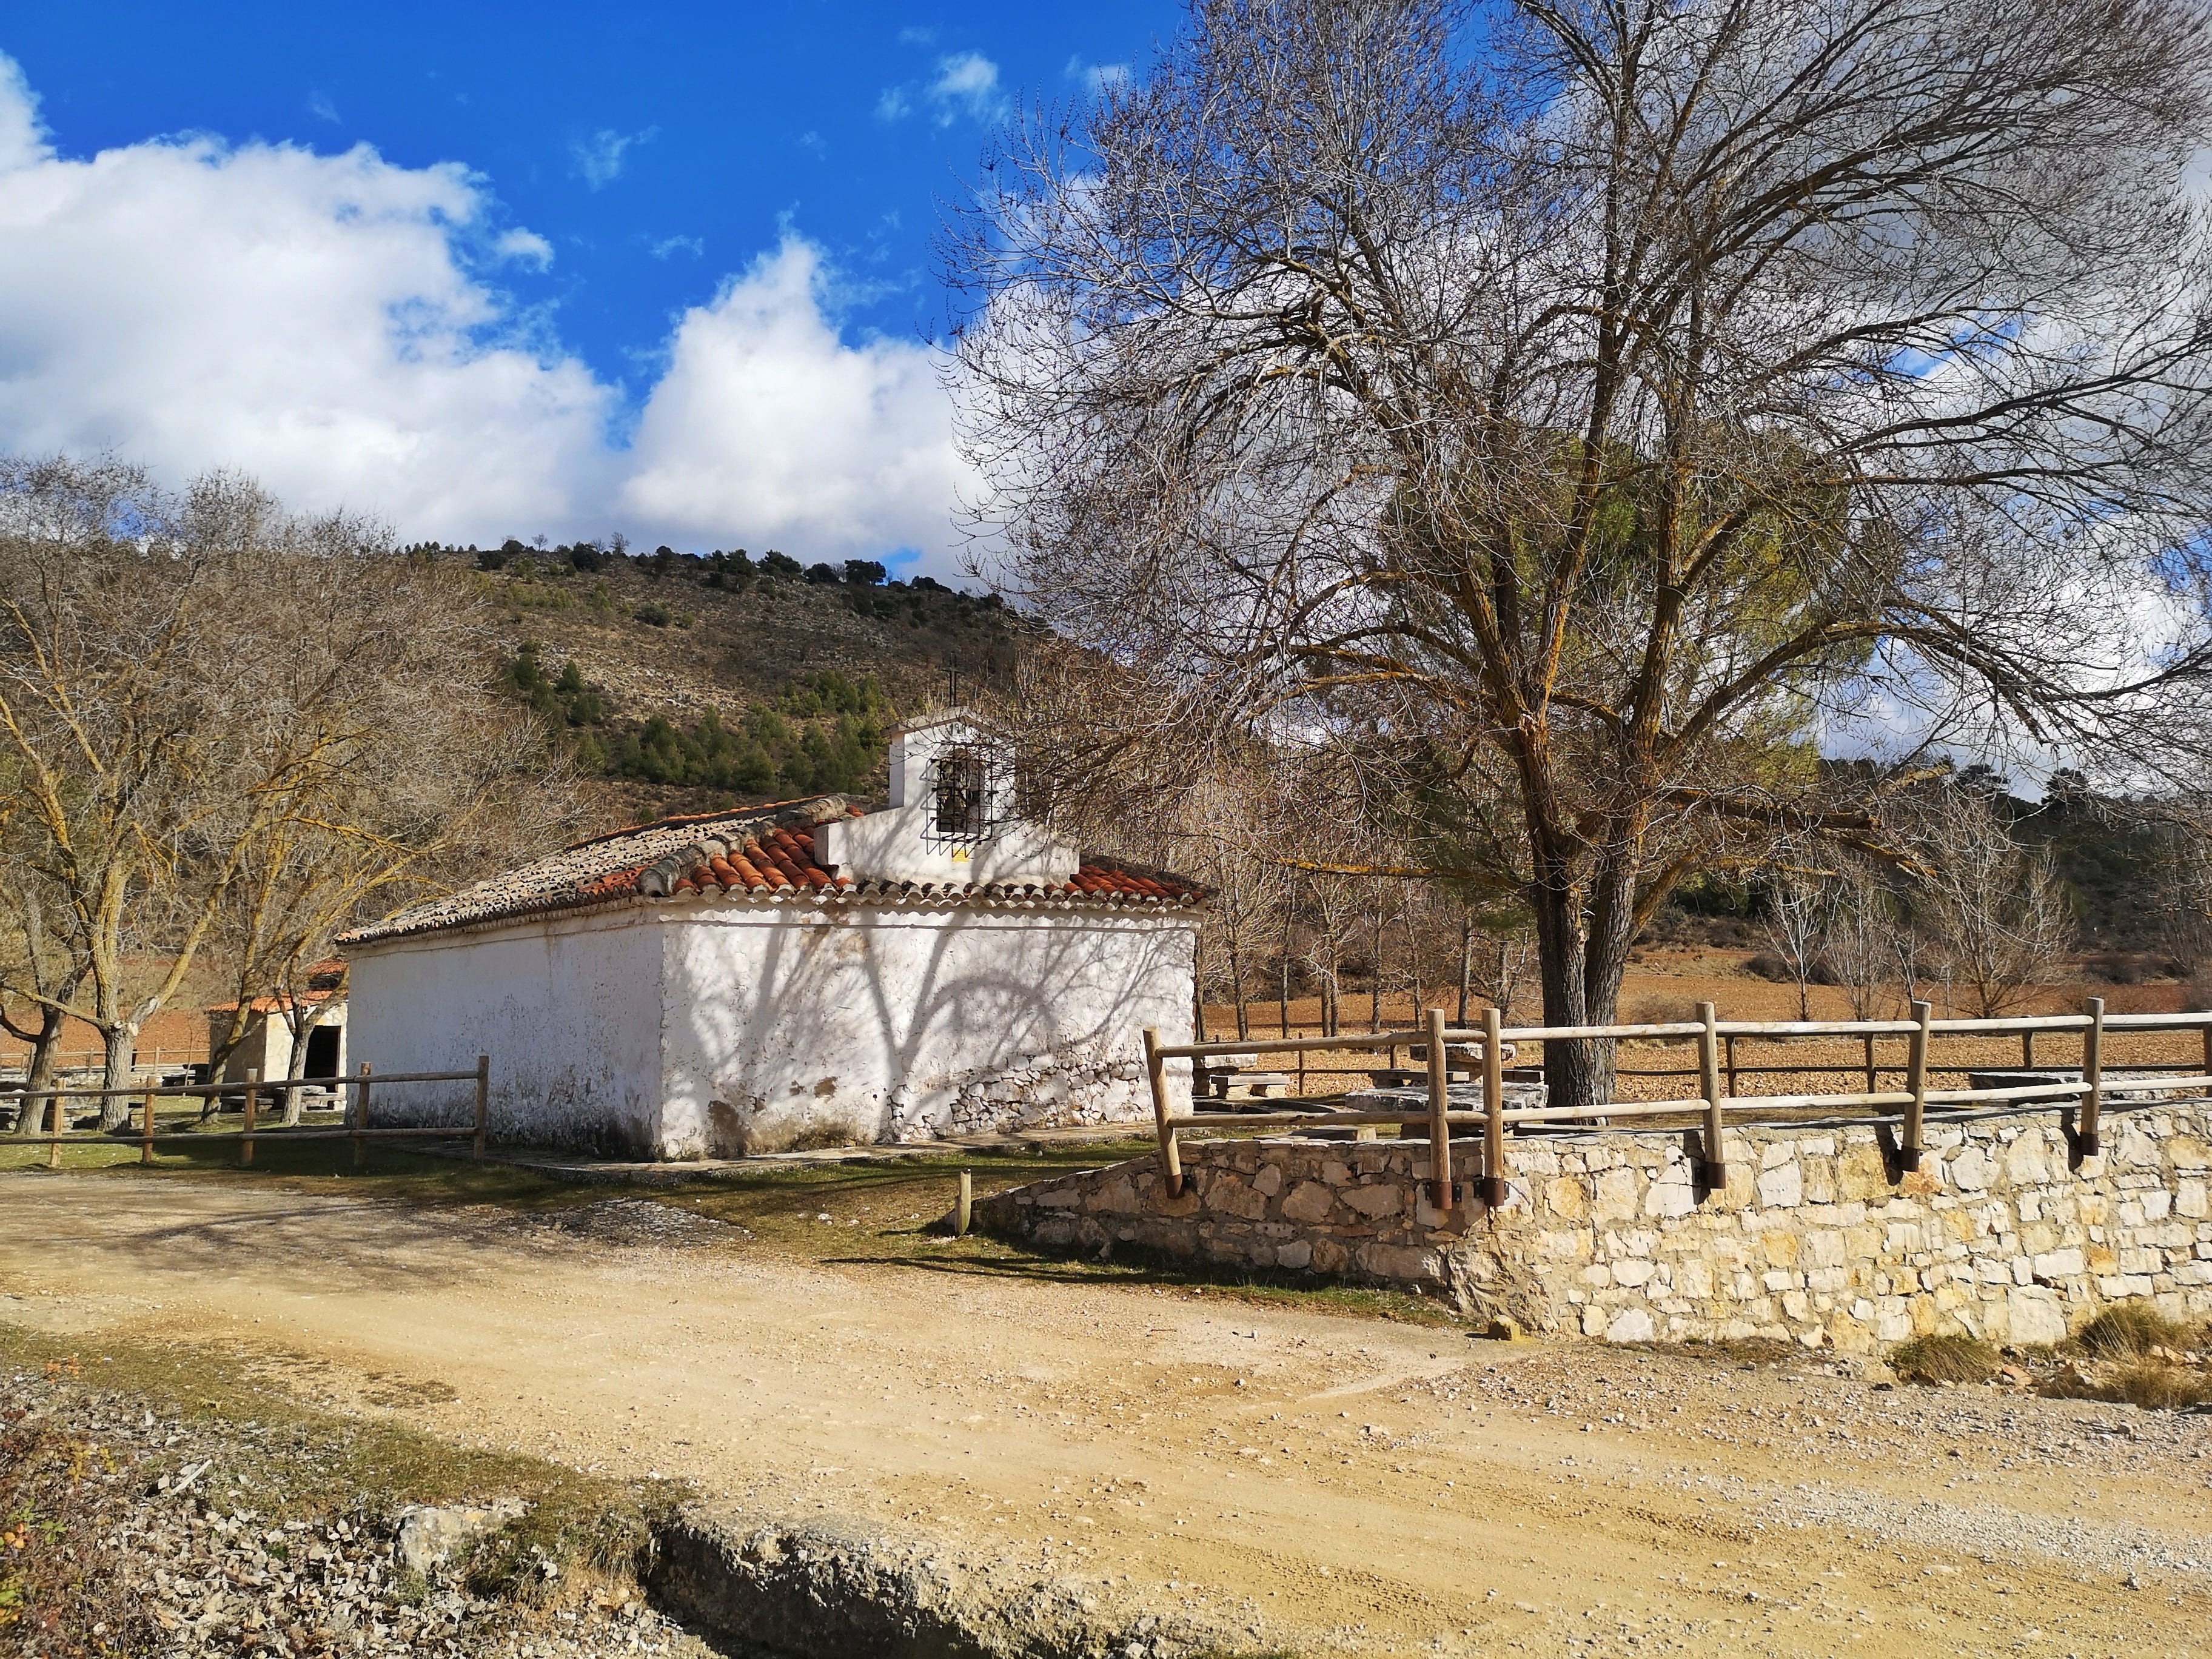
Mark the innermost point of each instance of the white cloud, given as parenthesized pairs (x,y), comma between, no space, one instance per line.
(967,83)
(319,106)
(667,246)
(766,429)
(332,324)
(1095,77)
(600,158)
(894,104)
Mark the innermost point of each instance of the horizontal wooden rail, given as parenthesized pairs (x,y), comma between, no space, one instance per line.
(267,1086)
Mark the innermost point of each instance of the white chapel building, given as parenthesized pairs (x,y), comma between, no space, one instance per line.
(773,977)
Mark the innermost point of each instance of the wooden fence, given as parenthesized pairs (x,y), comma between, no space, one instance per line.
(357,1127)
(1716,1102)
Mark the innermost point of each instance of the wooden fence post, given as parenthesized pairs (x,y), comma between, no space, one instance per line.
(1916,1084)
(484,1104)
(1709,1080)
(1493,1109)
(1728,1046)
(146,1129)
(360,1115)
(1439,1104)
(245,1139)
(1156,1067)
(1869,1062)
(964,1211)
(2028,1049)
(2092,1074)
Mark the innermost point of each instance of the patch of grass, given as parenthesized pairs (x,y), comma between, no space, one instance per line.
(2130,1330)
(2151,1384)
(1737,1350)
(851,1211)
(887,1210)
(295,1463)
(1949,1358)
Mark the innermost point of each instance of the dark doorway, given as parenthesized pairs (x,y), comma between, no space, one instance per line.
(322,1052)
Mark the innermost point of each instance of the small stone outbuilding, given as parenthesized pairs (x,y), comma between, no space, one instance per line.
(805,973)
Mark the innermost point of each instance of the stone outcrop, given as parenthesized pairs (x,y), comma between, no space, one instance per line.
(1818,1237)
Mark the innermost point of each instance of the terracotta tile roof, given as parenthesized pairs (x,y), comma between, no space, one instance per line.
(761,852)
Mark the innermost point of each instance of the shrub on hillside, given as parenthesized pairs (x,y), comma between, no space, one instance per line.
(1949,1358)
(2130,1330)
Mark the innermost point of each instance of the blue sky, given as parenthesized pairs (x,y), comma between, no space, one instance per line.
(538,268)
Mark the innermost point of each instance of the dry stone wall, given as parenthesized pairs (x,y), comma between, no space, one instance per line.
(1819,1234)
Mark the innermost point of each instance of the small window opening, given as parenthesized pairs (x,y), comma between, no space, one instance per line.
(963,793)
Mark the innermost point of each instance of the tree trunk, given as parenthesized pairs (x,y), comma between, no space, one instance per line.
(1466,965)
(1283,988)
(30,1115)
(122,1041)
(1236,986)
(1581,954)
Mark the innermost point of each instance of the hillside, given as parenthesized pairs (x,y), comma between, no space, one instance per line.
(686,683)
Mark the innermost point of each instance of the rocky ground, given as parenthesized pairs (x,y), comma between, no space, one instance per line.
(131,1532)
(974,1431)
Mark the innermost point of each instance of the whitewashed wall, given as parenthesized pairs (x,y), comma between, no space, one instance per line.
(713,1028)
(861,1023)
(568,1009)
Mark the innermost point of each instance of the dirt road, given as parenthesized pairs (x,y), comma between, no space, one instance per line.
(1318,1483)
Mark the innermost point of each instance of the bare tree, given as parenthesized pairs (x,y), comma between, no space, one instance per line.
(1555,408)
(1865,938)
(1799,906)
(1995,914)
(188,688)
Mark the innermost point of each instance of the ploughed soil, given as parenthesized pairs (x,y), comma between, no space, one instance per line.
(1286,1470)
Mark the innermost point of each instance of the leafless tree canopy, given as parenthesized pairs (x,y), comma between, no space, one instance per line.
(226,732)
(1577,412)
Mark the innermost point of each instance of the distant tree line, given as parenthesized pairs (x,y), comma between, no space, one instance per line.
(821,735)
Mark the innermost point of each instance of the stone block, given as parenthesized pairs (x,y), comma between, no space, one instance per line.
(1309,1202)
(1781,1186)
(1630,1325)
(2060,1264)
(1671,1195)
(1632,1273)
(2035,1316)
(1566,1198)
(1860,1172)
(1823,1247)
(2190,1198)
(1820,1179)
(1405,1263)
(1298,1252)
(1693,1277)
(1268,1180)
(1376,1202)
(1616,1195)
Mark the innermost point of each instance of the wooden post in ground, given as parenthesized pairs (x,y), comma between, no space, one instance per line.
(1156,1067)
(1869,1062)
(1709,1084)
(2092,1074)
(146,1128)
(1493,1109)
(253,1096)
(1728,1044)
(964,1210)
(1916,1084)
(54,1140)
(1439,1104)
(360,1115)
(483,1104)
(2027,1048)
